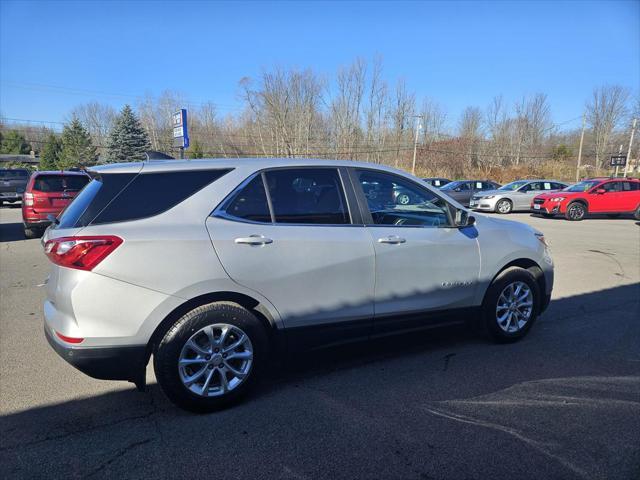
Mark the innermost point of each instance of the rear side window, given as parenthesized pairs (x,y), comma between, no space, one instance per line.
(630,186)
(59,183)
(307,196)
(122,197)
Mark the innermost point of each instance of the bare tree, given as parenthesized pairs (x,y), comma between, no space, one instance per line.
(604,111)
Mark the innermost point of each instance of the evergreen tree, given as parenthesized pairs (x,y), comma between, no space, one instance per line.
(128,141)
(14,143)
(195,150)
(77,148)
(50,154)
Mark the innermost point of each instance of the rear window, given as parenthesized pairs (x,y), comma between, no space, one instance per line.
(60,183)
(14,174)
(120,197)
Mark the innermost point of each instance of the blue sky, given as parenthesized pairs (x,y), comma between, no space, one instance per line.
(456,53)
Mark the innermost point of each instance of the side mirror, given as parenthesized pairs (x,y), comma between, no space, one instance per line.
(601,191)
(463,219)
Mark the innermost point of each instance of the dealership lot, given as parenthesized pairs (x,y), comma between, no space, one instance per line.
(563,403)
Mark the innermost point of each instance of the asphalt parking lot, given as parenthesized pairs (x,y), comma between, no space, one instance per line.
(563,403)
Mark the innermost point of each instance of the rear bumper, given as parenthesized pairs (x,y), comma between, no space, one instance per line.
(11,198)
(104,363)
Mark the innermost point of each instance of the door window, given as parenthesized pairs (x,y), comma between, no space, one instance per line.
(393,200)
(307,196)
(251,203)
(611,187)
(630,186)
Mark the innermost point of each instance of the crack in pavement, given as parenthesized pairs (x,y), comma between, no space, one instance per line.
(120,453)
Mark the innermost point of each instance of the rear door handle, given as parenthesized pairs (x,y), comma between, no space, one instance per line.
(253,240)
(393,239)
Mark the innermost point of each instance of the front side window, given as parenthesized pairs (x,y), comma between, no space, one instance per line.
(630,186)
(457,186)
(393,200)
(610,187)
(307,196)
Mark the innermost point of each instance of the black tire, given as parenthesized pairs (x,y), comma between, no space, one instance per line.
(504,206)
(489,320)
(32,233)
(167,354)
(576,211)
(636,215)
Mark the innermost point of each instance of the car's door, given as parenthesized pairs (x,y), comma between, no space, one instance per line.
(296,244)
(606,201)
(629,196)
(525,195)
(422,263)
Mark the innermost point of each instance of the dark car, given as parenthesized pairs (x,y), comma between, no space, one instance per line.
(463,190)
(13,182)
(437,182)
(47,194)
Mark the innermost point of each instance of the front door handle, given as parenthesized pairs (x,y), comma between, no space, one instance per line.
(393,239)
(253,240)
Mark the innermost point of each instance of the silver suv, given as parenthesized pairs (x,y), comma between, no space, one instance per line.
(212,265)
(514,196)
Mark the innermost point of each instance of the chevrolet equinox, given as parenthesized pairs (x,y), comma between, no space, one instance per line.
(210,266)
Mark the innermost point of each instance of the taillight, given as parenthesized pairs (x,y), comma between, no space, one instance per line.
(83,253)
(28,199)
(64,338)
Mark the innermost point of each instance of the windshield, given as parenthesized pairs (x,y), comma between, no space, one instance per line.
(582,186)
(513,185)
(451,186)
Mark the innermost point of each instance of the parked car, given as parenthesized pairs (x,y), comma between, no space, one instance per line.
(209,265)
(13,182)
(610,196)
(437,182)
(463,190)
(46,195)
(514,196)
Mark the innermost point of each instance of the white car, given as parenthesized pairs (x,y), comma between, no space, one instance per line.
(212,265)
(514,196)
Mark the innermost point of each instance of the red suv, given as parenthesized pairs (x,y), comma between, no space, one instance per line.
(610,196)
(48,193)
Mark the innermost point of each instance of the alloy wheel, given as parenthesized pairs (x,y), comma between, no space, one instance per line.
(576,211)
(215,360)
(515,307)
(504,206)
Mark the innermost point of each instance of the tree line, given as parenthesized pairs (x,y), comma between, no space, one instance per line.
(357,116)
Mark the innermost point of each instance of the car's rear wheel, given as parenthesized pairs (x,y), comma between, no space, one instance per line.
(511,305)
(211,357)
(576,211)
(636,215)
(504,206)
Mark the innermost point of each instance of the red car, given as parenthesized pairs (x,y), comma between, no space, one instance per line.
(610,196)
(46,195)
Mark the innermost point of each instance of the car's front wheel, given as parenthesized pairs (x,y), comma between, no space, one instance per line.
(211,357)
(576,211)
(511,305)
(504,206)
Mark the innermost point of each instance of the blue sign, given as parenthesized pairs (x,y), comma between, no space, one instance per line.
(180,132)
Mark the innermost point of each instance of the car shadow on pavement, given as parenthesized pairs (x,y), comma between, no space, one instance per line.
(352,411)
(11,232)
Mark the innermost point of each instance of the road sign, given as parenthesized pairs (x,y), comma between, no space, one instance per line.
(618,160)
(180,132)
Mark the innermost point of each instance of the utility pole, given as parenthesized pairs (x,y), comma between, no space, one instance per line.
(415,143)
(584,122)
(633,129)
